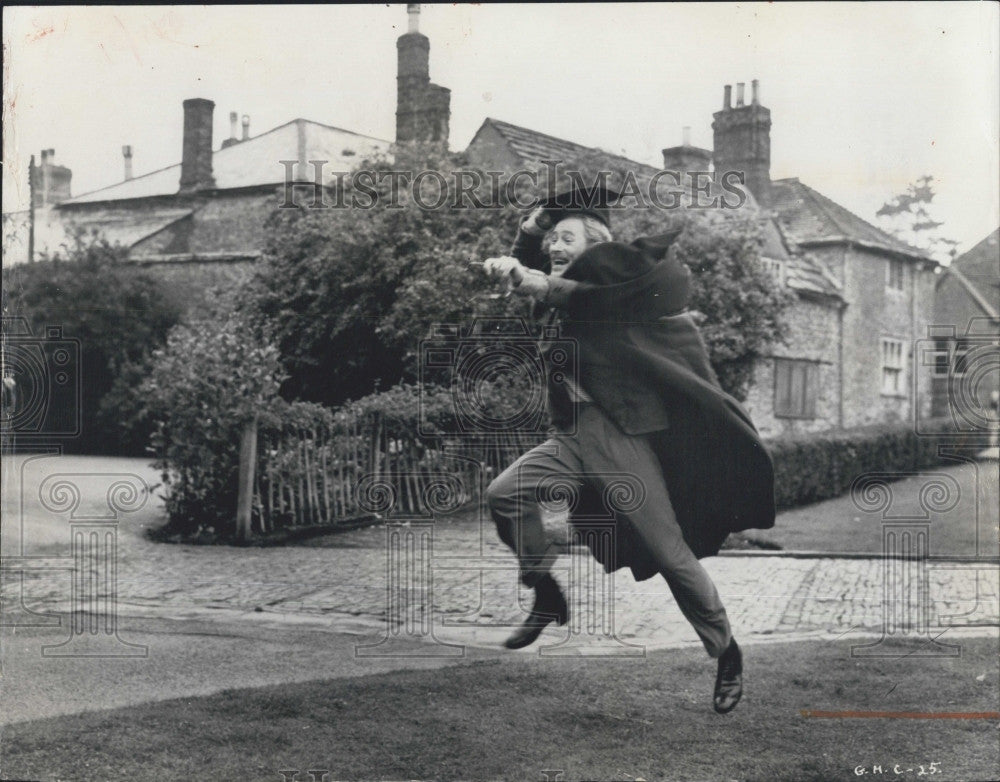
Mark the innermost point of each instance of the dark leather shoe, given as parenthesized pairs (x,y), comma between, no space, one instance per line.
(550,606)
(729,679)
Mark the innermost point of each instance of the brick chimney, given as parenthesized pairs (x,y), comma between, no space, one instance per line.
(742,140)
(196,160)
(685,157)
(423,110)
(51,183)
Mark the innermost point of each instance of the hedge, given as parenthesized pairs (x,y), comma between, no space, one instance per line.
(809,468)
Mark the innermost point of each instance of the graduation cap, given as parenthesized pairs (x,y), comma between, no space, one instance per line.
(595,201)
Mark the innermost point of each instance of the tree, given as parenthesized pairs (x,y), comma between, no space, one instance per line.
(907,216)
(350,292)
(118,314)
(213,376)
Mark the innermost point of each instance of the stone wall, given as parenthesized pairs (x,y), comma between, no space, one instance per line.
(876,311)
(812,329)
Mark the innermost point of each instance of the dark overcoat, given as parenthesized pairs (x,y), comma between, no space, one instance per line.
(643,361)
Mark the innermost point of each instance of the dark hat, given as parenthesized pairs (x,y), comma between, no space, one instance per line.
(629,282)
(611,263)
(595,201)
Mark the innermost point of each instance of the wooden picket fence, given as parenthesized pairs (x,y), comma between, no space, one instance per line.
(315,466)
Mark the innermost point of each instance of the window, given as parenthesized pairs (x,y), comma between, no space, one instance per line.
(775,268)
(953,357)
(795,384)
(892,366)
(939,358)
(894,275)
(960,362)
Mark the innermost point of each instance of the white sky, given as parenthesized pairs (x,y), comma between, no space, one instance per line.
(864,97)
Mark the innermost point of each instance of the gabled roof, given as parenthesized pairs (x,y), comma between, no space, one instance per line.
(809,217)
(982,262)
(978,273)
(532,147)
(256,161)
(803,273)
(54,230)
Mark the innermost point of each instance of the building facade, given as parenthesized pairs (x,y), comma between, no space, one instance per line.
(963,342)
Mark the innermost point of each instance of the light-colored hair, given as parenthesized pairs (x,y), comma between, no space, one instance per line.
(594,231)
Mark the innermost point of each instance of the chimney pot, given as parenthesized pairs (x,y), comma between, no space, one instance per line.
(686,136)
(755,92)
(739,93)
(727,97)
(246,126)
(127,157)
(413,17)
(233,117)
(50,183)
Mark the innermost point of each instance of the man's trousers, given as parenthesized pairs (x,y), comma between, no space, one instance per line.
(589,460)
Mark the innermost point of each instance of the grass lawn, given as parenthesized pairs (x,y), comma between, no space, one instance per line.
(838,525)
(522,717)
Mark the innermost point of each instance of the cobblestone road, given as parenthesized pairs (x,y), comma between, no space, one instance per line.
(457,585)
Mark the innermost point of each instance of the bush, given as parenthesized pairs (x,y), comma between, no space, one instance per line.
(814,467)
(211,379)
(120,316)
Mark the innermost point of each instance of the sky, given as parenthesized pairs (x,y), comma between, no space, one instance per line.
(864,97)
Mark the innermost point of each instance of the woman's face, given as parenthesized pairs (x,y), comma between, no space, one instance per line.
(565,243)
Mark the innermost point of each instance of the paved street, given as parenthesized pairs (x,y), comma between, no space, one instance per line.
(454,583)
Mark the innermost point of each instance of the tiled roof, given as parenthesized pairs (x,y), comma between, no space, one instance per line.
(803,273)
(256,161)
(810,217)
(533,147)
(982,261)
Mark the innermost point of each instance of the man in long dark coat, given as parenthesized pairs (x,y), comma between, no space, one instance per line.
(644,401)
